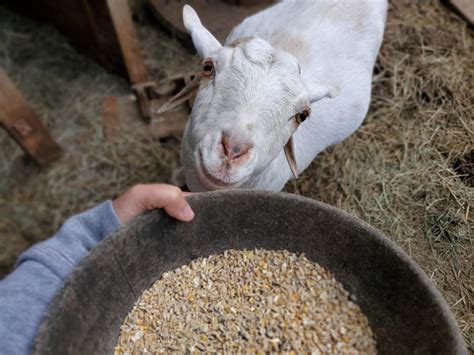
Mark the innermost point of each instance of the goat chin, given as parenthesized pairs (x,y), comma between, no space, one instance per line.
(272,178)
(197,184)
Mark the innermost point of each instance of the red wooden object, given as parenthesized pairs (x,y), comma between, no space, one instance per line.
(24,126)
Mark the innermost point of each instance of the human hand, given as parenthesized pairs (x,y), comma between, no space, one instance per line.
(143,197)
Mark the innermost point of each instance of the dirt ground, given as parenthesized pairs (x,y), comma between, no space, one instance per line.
(408,171)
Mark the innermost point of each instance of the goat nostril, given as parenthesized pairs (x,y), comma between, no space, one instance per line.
(226,148)
(233,150)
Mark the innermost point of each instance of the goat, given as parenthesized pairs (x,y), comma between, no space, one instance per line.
(288,82)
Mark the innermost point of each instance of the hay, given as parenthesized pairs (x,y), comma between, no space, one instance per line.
(406,171)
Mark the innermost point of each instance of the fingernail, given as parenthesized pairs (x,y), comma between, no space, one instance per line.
(187,213)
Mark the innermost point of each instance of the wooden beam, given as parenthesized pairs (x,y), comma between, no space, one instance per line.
(127,38)
(130,48)
(24,126)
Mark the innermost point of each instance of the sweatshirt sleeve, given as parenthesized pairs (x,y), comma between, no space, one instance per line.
(40,271)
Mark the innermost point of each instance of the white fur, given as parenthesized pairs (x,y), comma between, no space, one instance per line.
(258,88)
(204,42)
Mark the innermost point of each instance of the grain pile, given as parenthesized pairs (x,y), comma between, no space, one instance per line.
(247,301)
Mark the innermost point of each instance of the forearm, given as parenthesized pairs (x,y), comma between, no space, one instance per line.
(78,235)
(40,271)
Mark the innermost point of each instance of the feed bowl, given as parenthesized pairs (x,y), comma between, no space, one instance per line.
(405,311)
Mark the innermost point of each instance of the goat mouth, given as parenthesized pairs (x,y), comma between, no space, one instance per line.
(206,177)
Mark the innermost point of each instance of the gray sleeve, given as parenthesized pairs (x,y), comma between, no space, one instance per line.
(40,271)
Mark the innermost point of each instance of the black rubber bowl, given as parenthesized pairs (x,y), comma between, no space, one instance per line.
(406,312)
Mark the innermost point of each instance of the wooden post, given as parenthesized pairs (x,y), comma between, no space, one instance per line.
(127,38)
(24,126)
(141,85)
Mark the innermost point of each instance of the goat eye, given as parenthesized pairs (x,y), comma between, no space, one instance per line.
(303,115)
(208,67)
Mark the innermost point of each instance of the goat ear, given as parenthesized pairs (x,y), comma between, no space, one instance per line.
(290,157)
(204,42)
(321,91)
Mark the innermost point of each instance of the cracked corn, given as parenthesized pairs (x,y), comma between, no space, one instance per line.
(246,301)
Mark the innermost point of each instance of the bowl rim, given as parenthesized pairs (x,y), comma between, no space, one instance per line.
(384,240)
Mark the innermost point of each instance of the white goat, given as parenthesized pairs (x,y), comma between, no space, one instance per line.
(275,71)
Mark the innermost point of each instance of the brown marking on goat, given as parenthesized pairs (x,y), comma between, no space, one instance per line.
(347,12)
(239,41)
(293,44)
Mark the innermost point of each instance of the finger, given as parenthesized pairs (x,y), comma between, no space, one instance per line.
(169,197)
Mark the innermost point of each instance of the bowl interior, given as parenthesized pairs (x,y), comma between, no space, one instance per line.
(405,311)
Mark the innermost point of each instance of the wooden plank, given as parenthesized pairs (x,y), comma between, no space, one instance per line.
(24,126)
(130,48)
(127,38)
(465,8)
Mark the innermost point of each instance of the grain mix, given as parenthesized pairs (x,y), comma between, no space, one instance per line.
(247,301)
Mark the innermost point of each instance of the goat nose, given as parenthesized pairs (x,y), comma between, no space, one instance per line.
(234,149)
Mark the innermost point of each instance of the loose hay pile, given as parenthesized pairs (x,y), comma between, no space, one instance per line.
(247,301)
